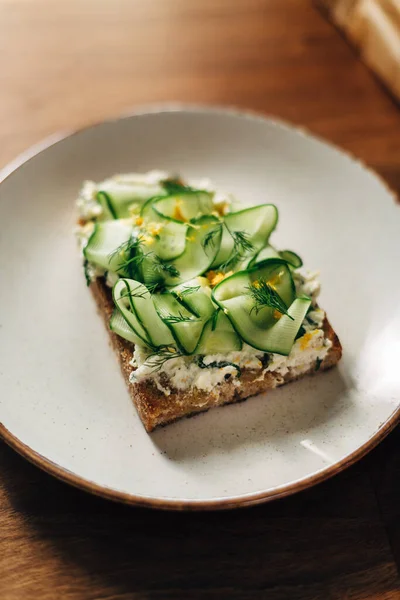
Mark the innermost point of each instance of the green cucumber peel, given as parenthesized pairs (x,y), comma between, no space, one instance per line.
(269,251)
(105,202)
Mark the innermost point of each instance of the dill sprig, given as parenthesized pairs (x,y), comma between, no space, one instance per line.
(179,318)
(157,286)
(132,243)
(241,241)
(242,247)
(264,295)
(160,356)
(187,291)
(162,268)
(209,239)
(131,255)
(136,293)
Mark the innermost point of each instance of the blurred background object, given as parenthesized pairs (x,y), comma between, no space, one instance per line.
(374,27)
(68,63)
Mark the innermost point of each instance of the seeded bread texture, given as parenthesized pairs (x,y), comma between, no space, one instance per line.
(155,408)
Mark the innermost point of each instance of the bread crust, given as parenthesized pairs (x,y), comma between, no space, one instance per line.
(156,409)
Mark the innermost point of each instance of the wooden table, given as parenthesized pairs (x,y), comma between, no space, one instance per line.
(67,63)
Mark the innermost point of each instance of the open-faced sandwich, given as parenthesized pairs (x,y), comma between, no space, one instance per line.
(202,310)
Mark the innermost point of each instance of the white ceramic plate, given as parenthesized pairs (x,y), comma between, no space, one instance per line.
(63,402)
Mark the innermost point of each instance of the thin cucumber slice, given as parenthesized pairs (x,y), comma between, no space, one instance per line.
(269,251)
(153,271)
(219,337)
(185,327)
(149,215)
(170,241)
(273,270)
(123,302)
(254,225)
(150,272)
(120,326)
(170,235)
(278,338)
(119,247)
(195,295)
(142,301)
(120,198)
(166,239)
(258,326)
(108,211)
(292,258)
(198,256)
(104,241)
(184,207)
(136,306)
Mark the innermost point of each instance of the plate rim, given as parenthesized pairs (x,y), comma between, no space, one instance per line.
(154,502)
(245,500)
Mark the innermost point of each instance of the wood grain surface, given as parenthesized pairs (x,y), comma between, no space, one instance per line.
(67,63)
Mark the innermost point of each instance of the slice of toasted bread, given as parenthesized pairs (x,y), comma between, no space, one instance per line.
(155,408)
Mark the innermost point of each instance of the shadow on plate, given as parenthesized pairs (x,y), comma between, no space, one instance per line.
(293,410)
